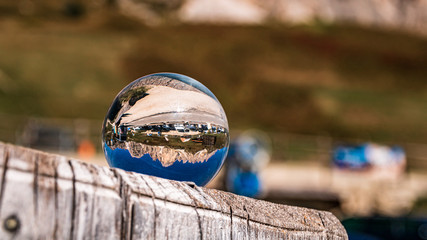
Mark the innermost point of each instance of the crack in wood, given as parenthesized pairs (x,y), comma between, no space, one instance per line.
(124,198)
(202,194)
(326,229)
(191,185)
(73,205)
(164,193)
(321,219)
(55,177)
(231,223)
(162,188)
(247,221)
(3,175)
(92,210)
(154,204)
(132,223)
(199,220)
(95,176)
(179,235)
(36,184)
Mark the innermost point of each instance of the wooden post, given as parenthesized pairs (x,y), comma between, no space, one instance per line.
(47,196)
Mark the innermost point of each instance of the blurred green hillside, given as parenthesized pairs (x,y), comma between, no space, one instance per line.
(342,81)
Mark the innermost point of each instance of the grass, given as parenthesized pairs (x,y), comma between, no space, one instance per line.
(343,81)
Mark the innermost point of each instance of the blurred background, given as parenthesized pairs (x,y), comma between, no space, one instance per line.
(336,90)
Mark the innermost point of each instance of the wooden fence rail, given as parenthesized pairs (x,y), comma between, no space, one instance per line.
(47,196)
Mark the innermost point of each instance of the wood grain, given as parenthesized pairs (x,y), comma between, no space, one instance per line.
(46,196)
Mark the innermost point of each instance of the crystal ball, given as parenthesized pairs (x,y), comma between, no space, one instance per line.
(167,125)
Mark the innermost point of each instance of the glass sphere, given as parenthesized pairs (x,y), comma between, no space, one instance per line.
(167,125)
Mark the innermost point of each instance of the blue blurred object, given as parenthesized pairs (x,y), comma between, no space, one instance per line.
(352,157)
(167,125)
(242,182)
(248,154)
(368,155)
(247,184)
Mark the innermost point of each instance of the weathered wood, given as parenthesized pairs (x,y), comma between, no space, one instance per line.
(46,196)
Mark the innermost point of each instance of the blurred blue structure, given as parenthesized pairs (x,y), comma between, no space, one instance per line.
(367,156)
(352,157)
(241,182)
(248,154)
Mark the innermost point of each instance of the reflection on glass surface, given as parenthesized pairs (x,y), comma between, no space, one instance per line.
(167,125)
